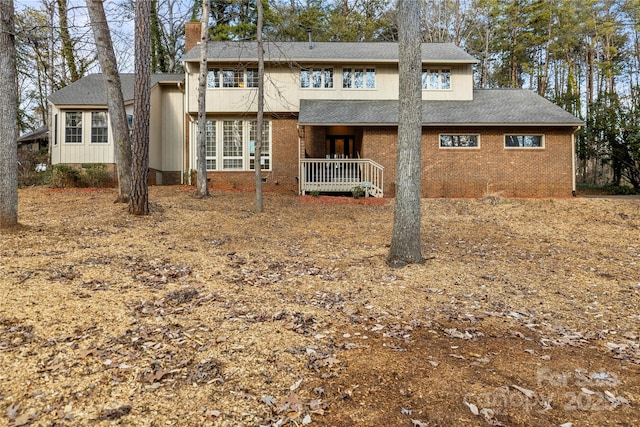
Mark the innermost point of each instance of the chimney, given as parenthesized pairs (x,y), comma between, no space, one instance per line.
(191,35)
(310,40)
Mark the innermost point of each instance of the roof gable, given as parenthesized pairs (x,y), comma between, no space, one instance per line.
(91,89)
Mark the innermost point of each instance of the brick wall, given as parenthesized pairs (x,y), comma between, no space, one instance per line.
(284,164)
(491,169)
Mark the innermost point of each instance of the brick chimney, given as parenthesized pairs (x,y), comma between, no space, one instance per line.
(191,35)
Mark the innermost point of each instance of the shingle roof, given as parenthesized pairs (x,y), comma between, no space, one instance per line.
(489,107)
(90,89)
(371,52)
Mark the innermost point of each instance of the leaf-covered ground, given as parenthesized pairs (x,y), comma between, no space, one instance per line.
(526,312)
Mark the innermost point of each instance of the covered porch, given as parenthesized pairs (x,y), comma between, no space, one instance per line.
(330,162)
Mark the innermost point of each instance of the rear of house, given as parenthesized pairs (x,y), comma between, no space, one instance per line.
(331,117)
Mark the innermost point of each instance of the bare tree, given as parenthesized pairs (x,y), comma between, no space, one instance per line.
(8,118)
(115,99)
(405,240)
(202,189)
(139,200)
(260,120)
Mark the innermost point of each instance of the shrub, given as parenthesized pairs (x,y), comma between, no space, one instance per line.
(95,175)
(357,192)
(64,176)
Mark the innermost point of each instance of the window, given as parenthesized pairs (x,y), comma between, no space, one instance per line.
(73,127)
(232,144)
(265,155)
(99,127)
(210,135)
(252,77)
(523,141)
(55,133)
(359,78)
(436,79)
(459,141)
(316,78)
(232,78)
(213,78)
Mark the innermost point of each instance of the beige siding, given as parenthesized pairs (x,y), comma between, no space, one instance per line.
(82,152)
(172,129)
(283,92)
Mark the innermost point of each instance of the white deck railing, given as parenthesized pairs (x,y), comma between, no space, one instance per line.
(341,175)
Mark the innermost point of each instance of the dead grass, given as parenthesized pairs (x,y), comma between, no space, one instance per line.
(206,313)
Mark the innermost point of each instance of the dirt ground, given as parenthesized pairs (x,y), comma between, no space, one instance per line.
(205,313)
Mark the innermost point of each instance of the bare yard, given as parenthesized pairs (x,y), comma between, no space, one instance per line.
(526,312)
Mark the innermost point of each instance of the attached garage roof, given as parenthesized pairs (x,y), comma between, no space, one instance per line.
(91,90)
(515,107)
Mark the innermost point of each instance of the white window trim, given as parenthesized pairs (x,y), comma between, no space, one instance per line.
(91,141)
(220,78)
(323,81)
(246,145)
(65,127)
(365,69)
(542,141)
(440,71)
(477,135)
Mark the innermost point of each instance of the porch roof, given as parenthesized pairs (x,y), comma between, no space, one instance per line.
(490,107)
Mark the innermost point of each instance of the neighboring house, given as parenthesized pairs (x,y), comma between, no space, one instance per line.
(331,123)
(82,134)
(34,141)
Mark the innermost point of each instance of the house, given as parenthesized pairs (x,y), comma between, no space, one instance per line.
(331,123)
(34,141)
(81,133)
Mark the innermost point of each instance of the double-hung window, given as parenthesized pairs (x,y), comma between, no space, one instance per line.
(523,141)
(99,127)
(73,127)
(359,78)
(436,79)
(316,78)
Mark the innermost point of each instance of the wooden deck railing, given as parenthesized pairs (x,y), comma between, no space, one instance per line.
(341,175)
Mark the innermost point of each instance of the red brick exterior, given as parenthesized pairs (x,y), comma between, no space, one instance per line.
(457,172)
(490,169)
(284,168)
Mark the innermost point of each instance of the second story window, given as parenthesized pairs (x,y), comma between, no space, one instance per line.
(359,78)
(316,78)
(436,79)
(232,78)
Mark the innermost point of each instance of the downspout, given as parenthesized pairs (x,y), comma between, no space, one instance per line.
(573,162)
(299,165)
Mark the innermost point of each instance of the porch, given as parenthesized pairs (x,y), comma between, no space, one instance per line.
(341,176)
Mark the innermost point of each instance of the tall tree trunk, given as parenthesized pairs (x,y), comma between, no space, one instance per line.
(8,118)
(202,189)
(260,119)
(139,201)
(405,240)
(67,44)
(115,99)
